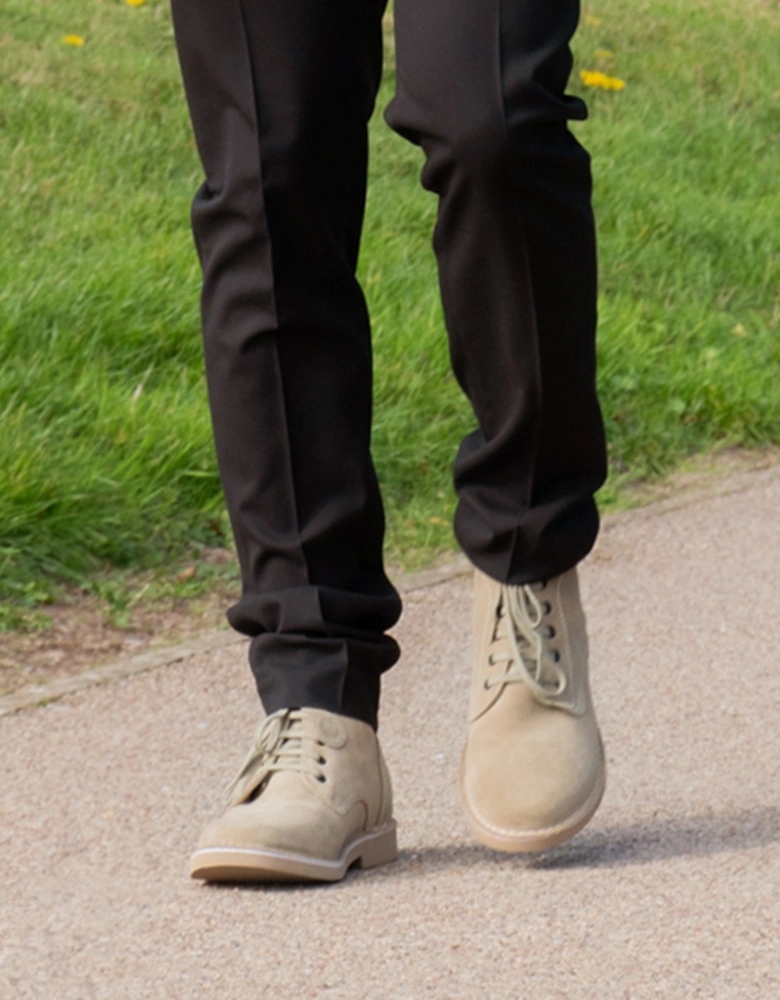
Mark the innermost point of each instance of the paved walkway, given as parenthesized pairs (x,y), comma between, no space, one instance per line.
(673,891)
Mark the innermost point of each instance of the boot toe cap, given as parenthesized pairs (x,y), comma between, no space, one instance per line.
(535,789)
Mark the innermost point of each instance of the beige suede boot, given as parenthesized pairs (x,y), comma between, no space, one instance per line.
(312,799)
(533,771)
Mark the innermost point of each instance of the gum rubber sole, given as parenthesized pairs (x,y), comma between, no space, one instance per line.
(531,841)
(245,864)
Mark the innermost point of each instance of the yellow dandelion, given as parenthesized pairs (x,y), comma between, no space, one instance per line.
(593,78)
(592,21)
(72,40)
(135,3)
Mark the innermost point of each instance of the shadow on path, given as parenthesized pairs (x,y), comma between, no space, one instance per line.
(646,842)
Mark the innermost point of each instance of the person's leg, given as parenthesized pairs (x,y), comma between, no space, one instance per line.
(481,87)
(280,92)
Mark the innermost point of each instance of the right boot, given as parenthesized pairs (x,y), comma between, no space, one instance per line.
(312,799)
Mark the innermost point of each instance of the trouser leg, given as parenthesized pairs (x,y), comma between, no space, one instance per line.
(280,92)
(481,87)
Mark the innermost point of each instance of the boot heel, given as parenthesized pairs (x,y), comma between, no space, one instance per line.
(380,849)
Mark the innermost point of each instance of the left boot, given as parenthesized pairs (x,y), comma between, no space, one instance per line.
(533,770)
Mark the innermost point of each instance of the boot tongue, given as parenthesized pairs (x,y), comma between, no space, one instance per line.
(278,738)
(290,738)
(282,782)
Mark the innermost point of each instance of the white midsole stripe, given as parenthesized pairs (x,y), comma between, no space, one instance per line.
(297,858)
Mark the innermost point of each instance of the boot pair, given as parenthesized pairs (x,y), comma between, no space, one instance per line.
(314,796)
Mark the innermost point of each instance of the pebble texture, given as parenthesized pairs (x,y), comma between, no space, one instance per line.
(673,890)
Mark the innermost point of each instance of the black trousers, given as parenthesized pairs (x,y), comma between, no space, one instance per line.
(280,92)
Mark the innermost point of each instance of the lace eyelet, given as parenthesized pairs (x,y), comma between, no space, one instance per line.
(491,661)
(321,760)
(486,685)
(321,778)
(556,656)
(546,608)
(550,632)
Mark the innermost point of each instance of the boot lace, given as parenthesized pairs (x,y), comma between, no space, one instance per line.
(530,662)
(281,743)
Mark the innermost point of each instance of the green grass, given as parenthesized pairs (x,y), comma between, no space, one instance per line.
(105,451)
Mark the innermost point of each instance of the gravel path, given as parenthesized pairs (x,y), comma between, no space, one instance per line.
(673,891)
